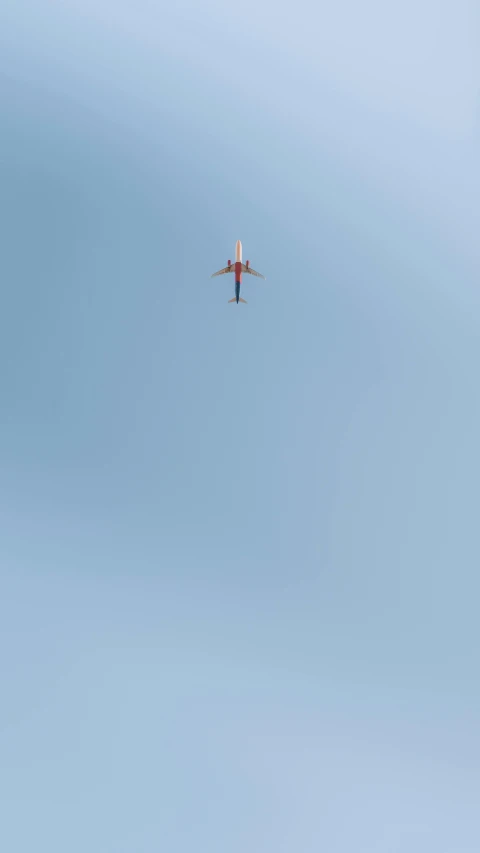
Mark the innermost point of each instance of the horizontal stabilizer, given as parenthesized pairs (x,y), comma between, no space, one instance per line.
(239,299)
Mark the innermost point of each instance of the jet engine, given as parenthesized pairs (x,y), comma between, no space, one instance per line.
(229,263)
(247,264)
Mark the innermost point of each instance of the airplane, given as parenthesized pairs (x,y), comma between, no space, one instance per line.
(238,267)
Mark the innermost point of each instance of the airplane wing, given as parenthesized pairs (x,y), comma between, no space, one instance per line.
(252,272)
(231,268)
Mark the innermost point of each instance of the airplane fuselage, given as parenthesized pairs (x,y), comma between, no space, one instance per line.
(238,269)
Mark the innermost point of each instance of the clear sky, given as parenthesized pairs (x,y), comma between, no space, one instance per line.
(239,545)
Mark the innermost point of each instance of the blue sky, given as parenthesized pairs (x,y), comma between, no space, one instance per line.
(239,546)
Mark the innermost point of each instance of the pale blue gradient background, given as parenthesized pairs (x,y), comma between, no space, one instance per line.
(239,547)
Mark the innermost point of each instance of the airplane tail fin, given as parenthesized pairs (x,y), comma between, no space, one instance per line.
(235,299)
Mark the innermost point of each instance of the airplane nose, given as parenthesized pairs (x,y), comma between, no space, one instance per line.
(238,251)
